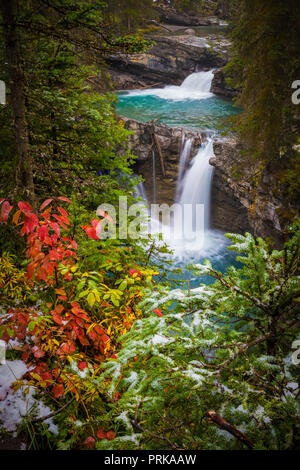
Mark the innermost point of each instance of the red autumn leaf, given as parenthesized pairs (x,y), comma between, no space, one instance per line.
(59,308)
(90,231)
(58,390)
(45,204)
(83,340)
(37,352)
(110,435)
(41,368)
(30,222)
(89,442)
(43,232)
(57,318)
(101,434)
(55,227)
(105,338)
(63,213)
(24,207)
(82,365)
(25,356)
(53,255)
(47,377)
(5,210)
(57,375)
(65,199)
(134,271)
(67,348)
(30,271)
(101,213)
(158,312)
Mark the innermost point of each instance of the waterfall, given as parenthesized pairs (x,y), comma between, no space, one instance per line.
(153,177)
(196,185)
(188,233)
(141,192)
(195,87)
(184,155)
(199,82)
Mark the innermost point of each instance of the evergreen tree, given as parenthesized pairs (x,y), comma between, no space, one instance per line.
(129,15)
(213,368)
(264,66)
(44,42)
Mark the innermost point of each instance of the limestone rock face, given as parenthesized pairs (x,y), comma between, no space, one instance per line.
(142,144)
(220,87)
(237,204)
(169,61)
(169,16)
(204,16)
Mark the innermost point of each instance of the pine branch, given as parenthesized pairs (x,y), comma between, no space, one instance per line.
(223,424)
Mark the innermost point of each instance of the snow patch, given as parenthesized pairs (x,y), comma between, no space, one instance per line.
(14,406)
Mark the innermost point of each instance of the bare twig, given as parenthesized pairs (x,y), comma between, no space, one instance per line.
(51,415)
(223,424)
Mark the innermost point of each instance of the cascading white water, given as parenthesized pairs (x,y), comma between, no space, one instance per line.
(153,177)
(184,155)
(141,192)
(199,82)
(195,87)
(188,231)
(197,182)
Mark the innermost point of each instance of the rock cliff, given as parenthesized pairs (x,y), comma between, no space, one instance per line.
(219,86)
(242,201)
(166,144)
(169,61)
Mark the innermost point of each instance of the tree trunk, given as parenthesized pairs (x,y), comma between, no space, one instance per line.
(24,185)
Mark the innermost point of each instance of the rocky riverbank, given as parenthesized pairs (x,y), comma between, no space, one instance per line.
(169,61)
(210,11)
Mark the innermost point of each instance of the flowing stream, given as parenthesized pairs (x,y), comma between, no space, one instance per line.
(188,232)
(191,104)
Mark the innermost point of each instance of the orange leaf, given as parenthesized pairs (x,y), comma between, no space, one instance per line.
(58,390)
(110,435)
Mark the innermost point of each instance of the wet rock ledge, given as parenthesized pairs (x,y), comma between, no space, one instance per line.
(144,141)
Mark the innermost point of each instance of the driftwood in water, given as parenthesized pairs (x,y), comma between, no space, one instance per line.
(160,25)
(149,86)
